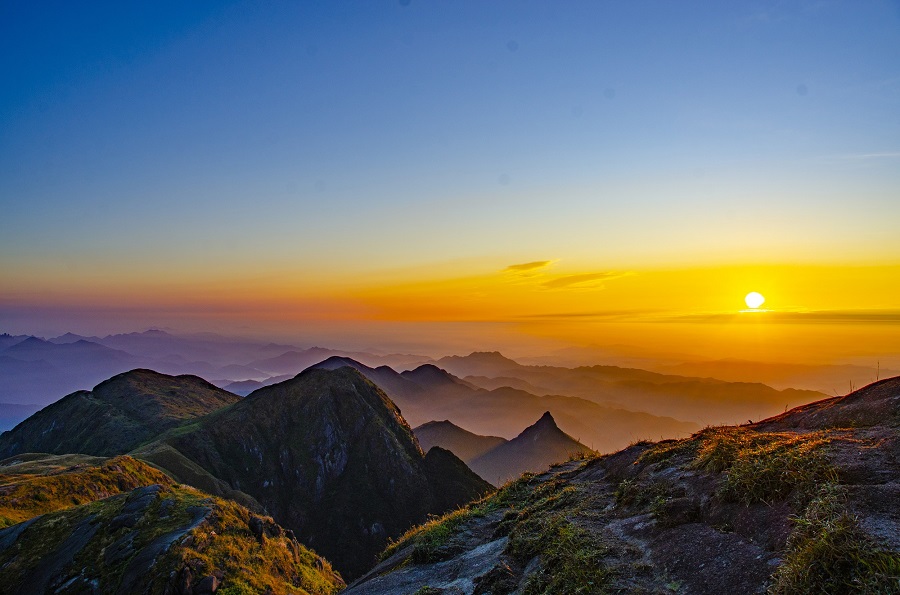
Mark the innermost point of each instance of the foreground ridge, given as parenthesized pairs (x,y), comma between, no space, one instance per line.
(808,501)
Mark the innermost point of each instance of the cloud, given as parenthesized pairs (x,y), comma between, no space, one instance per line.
(599,315)
(799,317)
(582,281)
(528,266)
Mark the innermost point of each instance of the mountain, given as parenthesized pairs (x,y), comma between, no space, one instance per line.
(478,363)
(804,502)
(292,362)
(462,443)
(7,340)
(701,400)
(398,386)
(159,539)
(11,414)
(35,371)
(535,449)
(827,379)
(116,416)
(330,457)
(245,387)
(429,393)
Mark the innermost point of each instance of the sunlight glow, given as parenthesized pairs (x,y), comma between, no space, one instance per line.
(754,300)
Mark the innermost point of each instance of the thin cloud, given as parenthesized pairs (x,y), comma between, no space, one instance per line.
(600,314)
(582,281)
(799,317)
(528,266)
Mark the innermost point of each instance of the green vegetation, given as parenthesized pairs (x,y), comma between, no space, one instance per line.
(766,466)
(272,564)
(828,553)
(41,485)
(536,518)
(180,531)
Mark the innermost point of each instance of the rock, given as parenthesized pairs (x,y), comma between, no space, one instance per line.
(207,586)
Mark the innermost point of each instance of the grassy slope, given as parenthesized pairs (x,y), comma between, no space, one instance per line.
(46,483)
(213,538)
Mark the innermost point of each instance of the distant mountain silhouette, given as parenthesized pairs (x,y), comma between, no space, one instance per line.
(464,444)
(292,362)
(428,393)
(701,400)
(116,416)
(535,449)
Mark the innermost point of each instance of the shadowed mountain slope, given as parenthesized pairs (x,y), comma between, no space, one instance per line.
(159,539)
(806,502)
(535,449)
(329,456)
(464,444)
(116,416)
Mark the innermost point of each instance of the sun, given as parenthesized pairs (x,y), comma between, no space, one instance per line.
(754,300)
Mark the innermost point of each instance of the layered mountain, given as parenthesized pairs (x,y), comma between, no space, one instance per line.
(534,450)
(704,401)
(329,455)
(804,502)
(293,361)
(429,393)
(463,443)
(828,379)
(116,416)
(159,539)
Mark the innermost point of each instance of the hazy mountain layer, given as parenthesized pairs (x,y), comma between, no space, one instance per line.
(429,393)
(535,449)
(464,444)
(706,401)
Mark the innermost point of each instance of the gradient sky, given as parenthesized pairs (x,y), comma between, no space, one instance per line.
(270,163)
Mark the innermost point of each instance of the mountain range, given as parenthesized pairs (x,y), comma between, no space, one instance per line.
(498,460)
(326,453)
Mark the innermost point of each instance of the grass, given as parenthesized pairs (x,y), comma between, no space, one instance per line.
(222,542)
(40,487)
(537,524)
(766,466)
(828,553)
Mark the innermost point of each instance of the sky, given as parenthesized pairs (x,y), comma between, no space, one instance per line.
(424,174)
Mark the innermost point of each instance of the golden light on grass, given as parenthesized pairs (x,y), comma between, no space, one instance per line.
(754,300)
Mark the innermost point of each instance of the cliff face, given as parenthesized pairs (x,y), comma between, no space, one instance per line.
(329,456)
(805,502)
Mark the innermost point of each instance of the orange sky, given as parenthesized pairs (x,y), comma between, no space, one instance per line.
(813,312)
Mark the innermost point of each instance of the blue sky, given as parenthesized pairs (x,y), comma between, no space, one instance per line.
(337,139)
